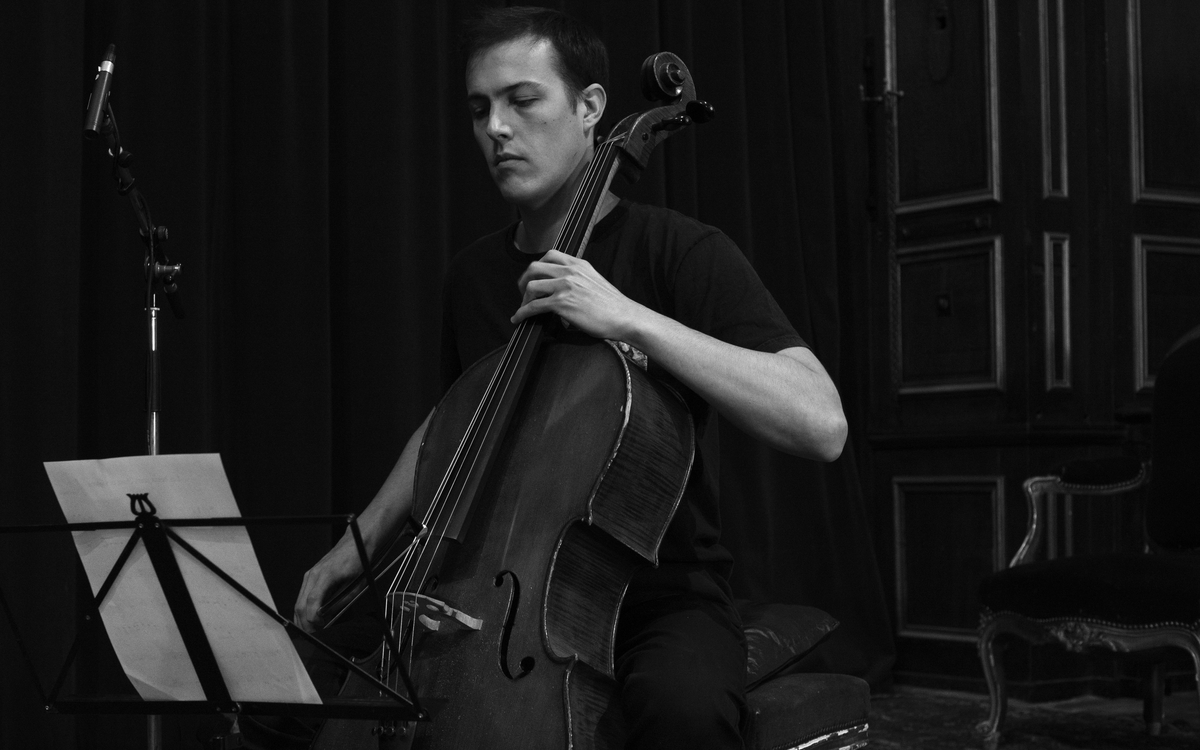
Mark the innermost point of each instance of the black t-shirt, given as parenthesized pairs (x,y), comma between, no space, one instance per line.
(671,264)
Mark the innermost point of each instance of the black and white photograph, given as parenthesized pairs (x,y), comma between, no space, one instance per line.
(590,375)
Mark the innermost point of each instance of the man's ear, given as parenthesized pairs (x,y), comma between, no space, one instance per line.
(593,100)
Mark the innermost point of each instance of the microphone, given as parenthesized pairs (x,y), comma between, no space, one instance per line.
(99,97)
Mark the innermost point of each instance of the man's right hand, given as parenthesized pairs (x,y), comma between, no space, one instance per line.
(338,567)
(379,522)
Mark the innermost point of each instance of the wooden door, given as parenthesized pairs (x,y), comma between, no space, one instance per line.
(1038,250)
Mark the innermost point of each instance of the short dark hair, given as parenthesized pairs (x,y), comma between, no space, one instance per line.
(582,57)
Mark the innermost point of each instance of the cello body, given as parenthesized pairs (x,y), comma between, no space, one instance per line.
(591,471)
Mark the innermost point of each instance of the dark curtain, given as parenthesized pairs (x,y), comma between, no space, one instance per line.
(315,167)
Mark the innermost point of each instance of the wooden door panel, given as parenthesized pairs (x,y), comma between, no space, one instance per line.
(931,562)
(951,317)
(1164,65)
(1166,299)
(947,133)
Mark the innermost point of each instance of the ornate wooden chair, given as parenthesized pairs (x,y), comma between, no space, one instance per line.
(1123,602)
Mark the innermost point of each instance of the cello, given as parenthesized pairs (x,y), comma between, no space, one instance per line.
(547,476)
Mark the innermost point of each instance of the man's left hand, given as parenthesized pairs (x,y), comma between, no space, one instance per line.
(571,288)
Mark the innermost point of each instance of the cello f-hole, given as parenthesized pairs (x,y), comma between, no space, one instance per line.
(525,666)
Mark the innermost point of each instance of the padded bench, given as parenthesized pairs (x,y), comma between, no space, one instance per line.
(798,711)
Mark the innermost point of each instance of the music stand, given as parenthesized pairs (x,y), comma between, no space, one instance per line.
(156,534)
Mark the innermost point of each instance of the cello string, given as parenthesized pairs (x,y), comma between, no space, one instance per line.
(437,511)
(460,472)
(442,508)
(594,175)
(570,231)
(577,219)
(521,337)
(573,230)
(418,564)
(437,504)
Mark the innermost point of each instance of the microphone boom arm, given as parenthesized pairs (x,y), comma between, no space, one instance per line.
(159,272)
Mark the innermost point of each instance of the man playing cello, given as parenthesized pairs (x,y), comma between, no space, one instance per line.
(677,290)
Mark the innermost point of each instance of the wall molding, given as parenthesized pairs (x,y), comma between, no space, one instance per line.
(1052,68)
(993,247)
(1142,191)
(992,191)
(1143,245)
(993,485)
(1057,299)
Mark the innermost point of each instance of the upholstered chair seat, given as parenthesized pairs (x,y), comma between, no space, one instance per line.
(1120,589)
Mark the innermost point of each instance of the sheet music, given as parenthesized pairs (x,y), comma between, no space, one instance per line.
(255,654)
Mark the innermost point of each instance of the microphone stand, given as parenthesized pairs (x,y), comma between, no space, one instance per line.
(160,273)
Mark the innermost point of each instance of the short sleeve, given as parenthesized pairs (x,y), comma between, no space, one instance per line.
(716,291)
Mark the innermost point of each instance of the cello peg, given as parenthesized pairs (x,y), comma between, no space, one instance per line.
(670,124)
(700,112)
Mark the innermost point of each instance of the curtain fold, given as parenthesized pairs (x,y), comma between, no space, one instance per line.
(800,530)
(315,166)
(39,353)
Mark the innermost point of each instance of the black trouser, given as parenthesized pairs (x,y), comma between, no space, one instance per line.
(681,662)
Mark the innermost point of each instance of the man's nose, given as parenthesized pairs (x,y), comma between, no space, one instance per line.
(497,125)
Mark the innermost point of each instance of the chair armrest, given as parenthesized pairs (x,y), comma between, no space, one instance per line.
(1092,477)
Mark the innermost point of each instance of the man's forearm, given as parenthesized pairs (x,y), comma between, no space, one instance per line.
(785,399)
(393,503)
(378,523)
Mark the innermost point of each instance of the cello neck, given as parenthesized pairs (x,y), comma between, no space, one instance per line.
(583,214)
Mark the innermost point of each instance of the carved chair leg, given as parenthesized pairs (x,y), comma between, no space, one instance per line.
(1152,705)
(992,659)
(1193,649)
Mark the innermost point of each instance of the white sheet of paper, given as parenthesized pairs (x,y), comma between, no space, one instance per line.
(255,654)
